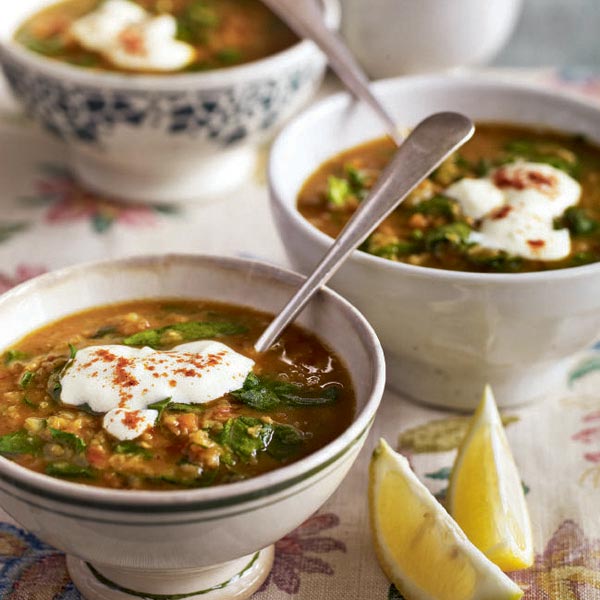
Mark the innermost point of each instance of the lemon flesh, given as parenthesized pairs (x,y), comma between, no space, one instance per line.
(485,495)
(419,546)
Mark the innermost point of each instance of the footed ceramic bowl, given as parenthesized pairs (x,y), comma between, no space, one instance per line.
(446,333)
(212,543)
(166,138)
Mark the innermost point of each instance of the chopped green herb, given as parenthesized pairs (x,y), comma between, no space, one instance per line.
(494,260)
(29,403)
(128,447)
(229,56)
(20,442)
(12,355)
(192,330)
(49,47)
(578,222)
(338,191)
(265,394)
(453,234)
(72,351)
(583,258)
(68,439)
(357,178)
(69,470)
(26,379)
(543,152)
(438,205)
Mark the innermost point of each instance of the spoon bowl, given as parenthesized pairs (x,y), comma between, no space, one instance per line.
(429,144)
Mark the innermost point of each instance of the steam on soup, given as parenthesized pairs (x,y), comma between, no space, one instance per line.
(168,394)
(513,200)
(152,36)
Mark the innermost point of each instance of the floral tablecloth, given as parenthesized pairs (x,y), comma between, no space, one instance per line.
(47,221)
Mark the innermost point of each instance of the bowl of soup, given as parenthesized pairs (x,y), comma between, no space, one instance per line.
(159,101)
(487,272)
(144,436)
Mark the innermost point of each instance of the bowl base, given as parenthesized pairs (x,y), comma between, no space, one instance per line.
(456,390)
(235,580)
(165,179)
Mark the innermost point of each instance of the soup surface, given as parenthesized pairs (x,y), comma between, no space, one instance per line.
(222,33)
(297,397)
(432,228)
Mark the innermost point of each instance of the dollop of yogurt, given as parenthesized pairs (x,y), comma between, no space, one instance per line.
(516,206)
(131,38)
(122,382)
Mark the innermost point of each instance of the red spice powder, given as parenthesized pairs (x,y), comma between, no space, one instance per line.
(123,377)
(132,41)
(535,244)
(502,212)
(521,179)
(131,419)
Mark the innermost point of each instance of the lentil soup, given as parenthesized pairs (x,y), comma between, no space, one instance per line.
(296,397)
(451,221)
(221,33)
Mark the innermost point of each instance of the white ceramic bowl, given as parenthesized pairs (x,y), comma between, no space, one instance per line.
(446,333)
(170,542)
(397,37)
(165,138)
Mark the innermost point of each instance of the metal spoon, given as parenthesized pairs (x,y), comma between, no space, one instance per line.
(306,19)
(432,141)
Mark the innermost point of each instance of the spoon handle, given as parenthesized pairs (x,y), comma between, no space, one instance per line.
(432,141)
(305,18)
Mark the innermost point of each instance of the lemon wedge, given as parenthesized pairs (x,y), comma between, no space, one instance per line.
(485,495)
(420,547)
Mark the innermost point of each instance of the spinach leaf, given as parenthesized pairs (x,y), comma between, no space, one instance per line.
(160,406)
(12,355)
(286,441)
(26,379)
(192,330)
(68,439)
(128,447)
(104,331)
(69,470)
(86,408)
(246,436)
(187,408)
(266,394)
(578,222)
(20,442)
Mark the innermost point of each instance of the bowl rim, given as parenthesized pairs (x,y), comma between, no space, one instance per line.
(168,81)
(336,103)
(216,497)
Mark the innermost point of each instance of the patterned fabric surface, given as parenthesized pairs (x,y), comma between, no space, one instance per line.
(48,221)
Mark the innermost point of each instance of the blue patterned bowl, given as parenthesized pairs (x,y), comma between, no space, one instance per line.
(165,138)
